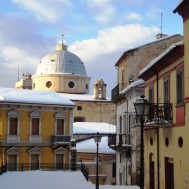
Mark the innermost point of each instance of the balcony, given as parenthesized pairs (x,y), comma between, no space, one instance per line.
(121,143)
(115,91)
(64,139)
(161,113)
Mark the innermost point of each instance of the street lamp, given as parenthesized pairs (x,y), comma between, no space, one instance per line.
(97,139)
(142,108)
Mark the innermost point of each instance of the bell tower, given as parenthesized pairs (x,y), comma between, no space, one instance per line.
(100,90)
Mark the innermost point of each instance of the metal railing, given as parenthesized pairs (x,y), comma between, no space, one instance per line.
(160,113)
(85,171)
(64,138)
(35,166)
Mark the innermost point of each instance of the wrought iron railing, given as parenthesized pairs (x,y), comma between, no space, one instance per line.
(64,139)
(35,166)
(160,113)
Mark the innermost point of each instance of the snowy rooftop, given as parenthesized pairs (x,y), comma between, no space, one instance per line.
(89,146)
(83,97)
(49,180)
(132,85)
(154,61)
(33,97)
(93,127)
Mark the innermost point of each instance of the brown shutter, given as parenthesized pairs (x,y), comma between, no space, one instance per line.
(60,126)
(13,126)
(35,126)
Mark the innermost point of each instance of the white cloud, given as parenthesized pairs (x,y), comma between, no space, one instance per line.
(50,10)
(133,16)
(102,10)
(113,39)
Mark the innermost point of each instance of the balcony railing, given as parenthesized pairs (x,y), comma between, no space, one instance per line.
(160,113)
(117,90)
(61,139)
(119,140)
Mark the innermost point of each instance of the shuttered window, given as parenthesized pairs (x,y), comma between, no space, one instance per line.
(13,126)
(179,87)
(35,126)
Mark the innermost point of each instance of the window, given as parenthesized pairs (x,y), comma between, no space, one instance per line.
(120,124)
(166,91)
(71,84)
(100,92)
(151,94)
(179,87)
(114,170)
(60,127)
(49,84)
(35,126)
(13,126)
(60,124)
(79,107)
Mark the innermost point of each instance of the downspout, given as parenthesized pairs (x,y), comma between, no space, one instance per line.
(157,129)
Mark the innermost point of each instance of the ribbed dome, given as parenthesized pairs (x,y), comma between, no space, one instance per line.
(61,61)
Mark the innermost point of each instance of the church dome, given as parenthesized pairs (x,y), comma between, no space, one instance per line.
(61,61)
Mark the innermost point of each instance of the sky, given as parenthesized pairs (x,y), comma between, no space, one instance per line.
(49,180)
(98,31)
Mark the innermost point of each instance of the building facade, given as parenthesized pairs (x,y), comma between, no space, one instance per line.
(166,131)
(35,129)
(129,88)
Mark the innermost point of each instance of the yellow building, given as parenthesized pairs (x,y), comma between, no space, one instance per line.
(166,128)
(35,129)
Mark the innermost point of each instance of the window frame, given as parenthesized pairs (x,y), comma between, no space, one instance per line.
(13,138)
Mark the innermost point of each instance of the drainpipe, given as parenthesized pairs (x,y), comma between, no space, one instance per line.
(157,129)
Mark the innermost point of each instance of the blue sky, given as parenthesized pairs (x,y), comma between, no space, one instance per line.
(98,31)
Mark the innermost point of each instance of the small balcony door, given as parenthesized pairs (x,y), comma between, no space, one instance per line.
(60,127)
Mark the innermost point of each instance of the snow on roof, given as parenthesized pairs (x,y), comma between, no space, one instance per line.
(132,85)
(154,61)
(83,97)
(89,146)
(50,179)
(155,41)
(33,97)
(93,127)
